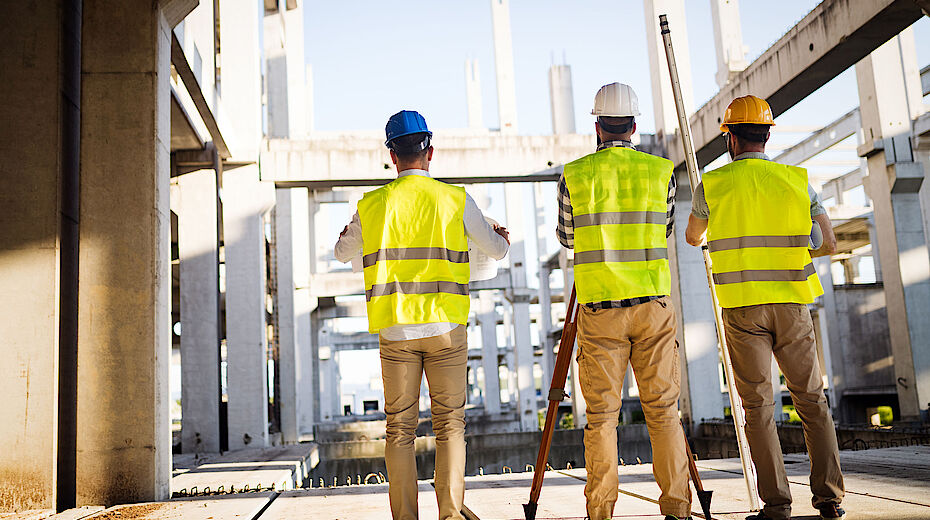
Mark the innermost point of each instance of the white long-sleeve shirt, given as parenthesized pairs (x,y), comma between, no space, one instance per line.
(476,228)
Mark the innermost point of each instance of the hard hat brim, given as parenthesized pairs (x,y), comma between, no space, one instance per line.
(602,114)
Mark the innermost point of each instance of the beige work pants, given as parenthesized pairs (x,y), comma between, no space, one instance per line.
(609,340)
(785,330)
(403,363)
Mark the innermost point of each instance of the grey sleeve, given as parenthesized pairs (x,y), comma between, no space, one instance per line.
(816,206)
(699,203)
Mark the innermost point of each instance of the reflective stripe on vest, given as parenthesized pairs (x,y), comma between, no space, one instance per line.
(619,202)
(758,234)
(414,253)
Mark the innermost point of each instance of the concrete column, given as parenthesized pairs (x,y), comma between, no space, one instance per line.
(200,340)
(830,335)
(124,329)
(503,63)
(520,300)
(889,98)
(561,99)
(698,336)
(579,410)
(473,94)
(288,396)
(245,201)
(545,293)
(285,83)
(662,100)
(307,384)
(308,100)
(697,320)
(42,109)
(487,320)
(728,39)
(296,73)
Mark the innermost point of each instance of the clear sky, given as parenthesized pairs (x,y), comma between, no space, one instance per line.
(372,58)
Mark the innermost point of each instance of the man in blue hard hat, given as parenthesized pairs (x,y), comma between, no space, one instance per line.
(414,234)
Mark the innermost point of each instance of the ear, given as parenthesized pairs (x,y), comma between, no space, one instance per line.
(393,157)
(429,154)
(597,129)
(768,135)
(634,128)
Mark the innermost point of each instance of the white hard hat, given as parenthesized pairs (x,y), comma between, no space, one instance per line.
(616,100)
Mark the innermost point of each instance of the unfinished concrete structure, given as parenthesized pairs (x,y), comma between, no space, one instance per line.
(186,223)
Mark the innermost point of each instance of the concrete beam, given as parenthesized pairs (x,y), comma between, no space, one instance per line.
(183,68)
(459,153)
(847,124)
(832,37)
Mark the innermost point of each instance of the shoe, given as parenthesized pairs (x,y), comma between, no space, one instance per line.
(759,516)
(832,511)
(671,517)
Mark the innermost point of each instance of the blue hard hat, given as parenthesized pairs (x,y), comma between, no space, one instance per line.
(403,123)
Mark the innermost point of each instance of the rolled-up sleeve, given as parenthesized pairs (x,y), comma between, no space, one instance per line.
(481,233)
(699,206)
(350,243)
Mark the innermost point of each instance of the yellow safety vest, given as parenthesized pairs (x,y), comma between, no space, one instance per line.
(619,204)
(758,234)
(415,253)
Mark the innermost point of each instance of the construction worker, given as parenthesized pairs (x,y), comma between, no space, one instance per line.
(615,209)
(412,234)
(758,215)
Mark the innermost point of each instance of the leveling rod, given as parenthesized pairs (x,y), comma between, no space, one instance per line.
(736,404)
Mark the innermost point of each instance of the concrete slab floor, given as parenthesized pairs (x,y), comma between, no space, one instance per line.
(892,483)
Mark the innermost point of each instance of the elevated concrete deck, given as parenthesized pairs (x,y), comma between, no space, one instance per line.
(891,483)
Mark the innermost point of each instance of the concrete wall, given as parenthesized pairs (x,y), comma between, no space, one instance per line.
(29,253)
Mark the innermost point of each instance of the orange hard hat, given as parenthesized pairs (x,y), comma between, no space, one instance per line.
(747,109)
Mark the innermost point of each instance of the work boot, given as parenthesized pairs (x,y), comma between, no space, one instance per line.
(759,516)
(832,511)
(672,517)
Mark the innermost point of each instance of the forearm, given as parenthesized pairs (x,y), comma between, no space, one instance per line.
(694,234)
(350,241)
(829,238)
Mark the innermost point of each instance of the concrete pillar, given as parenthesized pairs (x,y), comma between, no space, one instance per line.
(662,100)
(889,98)
(573,386)
(826,314)
(561,99)
(503,63)
(487,320)
(245,201)
(545,293)
(38,251)
(697,320)
(285,83)
(308,100)
(728,39)
(698,336)
(520,300)
(200,333)
(473,94)
(307,384)
(240,49)
(124,330)
(289,394)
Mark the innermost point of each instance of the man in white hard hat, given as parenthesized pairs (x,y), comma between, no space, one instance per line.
(615,210)
(412,233)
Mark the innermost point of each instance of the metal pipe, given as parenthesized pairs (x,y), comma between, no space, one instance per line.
(736,405)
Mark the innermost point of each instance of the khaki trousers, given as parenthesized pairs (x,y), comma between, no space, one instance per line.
(785,330)
(644,337)
(403,363)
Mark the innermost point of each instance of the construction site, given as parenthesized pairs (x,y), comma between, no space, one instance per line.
(180,341)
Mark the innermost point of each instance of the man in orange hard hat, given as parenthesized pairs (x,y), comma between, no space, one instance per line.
(758,217)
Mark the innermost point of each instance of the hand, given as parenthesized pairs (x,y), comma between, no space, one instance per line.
(344,231)
(502,231)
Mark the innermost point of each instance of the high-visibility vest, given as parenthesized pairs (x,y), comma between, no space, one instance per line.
(414,253)
(619,203)
(758,234)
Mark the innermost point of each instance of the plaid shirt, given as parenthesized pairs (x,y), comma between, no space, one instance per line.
(565,230)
